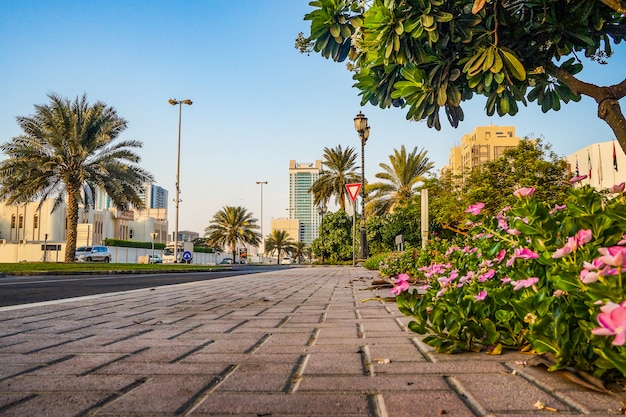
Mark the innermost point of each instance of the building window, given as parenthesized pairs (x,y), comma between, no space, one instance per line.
(13,221)
(20,222)
(35,221)
(131,233)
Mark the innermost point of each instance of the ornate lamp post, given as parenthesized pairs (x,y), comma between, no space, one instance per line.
(363,129)
(180,103)
(322,209)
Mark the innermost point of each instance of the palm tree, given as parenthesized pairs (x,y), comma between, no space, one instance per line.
(279,240)
(299,250)
(400,180)
(67,153)
(231,226)
(332,182)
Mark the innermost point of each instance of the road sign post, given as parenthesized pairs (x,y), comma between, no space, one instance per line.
(353,192)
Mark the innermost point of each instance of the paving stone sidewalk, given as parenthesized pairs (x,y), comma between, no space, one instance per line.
(295,342)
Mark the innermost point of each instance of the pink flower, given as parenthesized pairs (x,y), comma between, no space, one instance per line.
(505,280)
(500,256)
(612,321)
(558,293)
(559,253)
(588,277)
(617,188)
(481,295)
(525,253)
(402,284)
(524,192)
(557,208)
(584,236)
(524,283)
(623,241)
(487,275)
(475,208)
(579,178)
(614,256)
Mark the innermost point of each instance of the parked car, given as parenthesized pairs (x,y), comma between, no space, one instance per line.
(93,254)
(226,261)
(155,259)
(285,261)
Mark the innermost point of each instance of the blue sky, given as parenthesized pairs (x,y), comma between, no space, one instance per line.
(258,103)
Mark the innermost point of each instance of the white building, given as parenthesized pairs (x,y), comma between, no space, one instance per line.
(603,163)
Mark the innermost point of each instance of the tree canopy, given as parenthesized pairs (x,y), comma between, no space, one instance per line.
(67,153)
(279,241)
(232,226)
(340,170)
(399,180)
(426,55)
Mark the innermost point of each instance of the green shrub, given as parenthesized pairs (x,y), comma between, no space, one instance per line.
(374,261)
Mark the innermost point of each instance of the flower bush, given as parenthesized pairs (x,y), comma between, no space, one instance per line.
(533,278)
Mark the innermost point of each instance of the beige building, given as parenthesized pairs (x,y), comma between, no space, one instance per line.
(603,163)
(291,226)
(483,144)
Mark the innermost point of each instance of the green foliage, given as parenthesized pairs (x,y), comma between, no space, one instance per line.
(374,261)
(337,232)
(531,163)
(429,55)
(530,278)
(133,244)
(280,242)
(232,226)
(400,180)
(68,153)
(339,170)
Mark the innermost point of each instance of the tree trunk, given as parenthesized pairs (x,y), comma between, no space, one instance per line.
(607,98)
(72,223)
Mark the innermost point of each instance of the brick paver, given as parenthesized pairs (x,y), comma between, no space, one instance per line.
(295,342)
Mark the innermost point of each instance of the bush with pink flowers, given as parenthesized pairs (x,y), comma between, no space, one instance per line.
(533,278)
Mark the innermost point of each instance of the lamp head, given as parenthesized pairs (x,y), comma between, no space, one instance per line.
(173,102)
(187,102)
(360,122)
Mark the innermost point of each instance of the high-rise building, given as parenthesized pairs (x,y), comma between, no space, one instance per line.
(154,197)
(301,207)
(484,143)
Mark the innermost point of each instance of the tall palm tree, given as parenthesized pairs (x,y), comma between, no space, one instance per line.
(279,241)
(299,250)
(67,153)
(340,170)
(399,180)
(232,226)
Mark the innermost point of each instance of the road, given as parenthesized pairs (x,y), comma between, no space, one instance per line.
(15,290)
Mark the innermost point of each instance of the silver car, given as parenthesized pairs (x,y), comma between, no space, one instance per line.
(93,254)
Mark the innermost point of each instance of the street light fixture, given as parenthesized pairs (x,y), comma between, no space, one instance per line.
(363,129)
(180,103)
(322,209)
(262,237)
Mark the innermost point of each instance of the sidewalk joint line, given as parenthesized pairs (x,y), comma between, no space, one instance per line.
(195,401)
(236,326)
(59,344)
(38,367)
(366,359)
(258,344)
(550,391)
(130,336)
(111,362)
(17,402)
(465,397)
(192,351)
(125,390)
(184,331)
(296,376)
(314,335)
(377,402)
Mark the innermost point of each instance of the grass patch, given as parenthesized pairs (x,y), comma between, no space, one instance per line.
(61,267)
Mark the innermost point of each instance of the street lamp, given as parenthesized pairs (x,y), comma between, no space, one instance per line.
(262,237)
(362,128)
(322,210)
(180,103)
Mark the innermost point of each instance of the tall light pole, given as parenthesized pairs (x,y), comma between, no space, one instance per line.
(363,129)
(262,237)
(180,103)
(322,210)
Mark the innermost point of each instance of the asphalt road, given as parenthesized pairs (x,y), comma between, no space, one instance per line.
(15,290)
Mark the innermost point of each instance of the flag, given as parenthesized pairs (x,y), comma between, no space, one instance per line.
(589,163)
(577,170)
(599,167)
(614,157)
